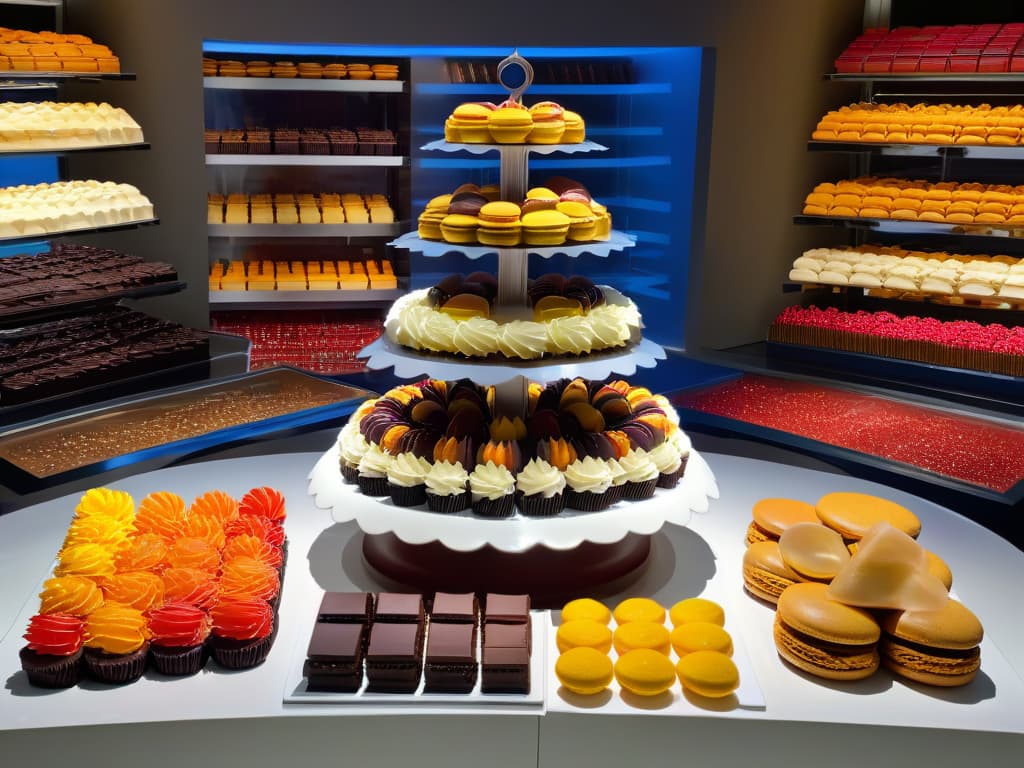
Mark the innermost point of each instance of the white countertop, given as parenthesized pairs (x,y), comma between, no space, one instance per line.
(703,557)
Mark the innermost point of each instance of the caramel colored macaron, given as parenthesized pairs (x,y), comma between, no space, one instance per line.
(933,647)
(765,573)
(853,514)
(773,516)
(823,637)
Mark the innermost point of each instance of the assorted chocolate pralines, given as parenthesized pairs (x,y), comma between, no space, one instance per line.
(108,345)
(304,141)
(72,274)
(476,293)
(395,642)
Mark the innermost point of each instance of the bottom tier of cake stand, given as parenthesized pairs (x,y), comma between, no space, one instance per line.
(549,576)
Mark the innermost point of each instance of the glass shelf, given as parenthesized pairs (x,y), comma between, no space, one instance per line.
(303,230)
(60,233)
(376,161)
(338,299)
(75,150)
(32,75)
(37,313)
(985,152)
(928,77)
(441,145)
(546,89)
(899,226)
(302,84)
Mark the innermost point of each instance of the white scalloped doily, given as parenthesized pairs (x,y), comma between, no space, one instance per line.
(441,145)
(411,241)
(465,533)
(409,364)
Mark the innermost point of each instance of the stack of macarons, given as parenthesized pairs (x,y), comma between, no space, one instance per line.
(643,647)
(483,122)
(854,590)
(560,210)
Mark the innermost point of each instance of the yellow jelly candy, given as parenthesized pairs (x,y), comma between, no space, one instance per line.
(645,672)
(466,305)
(641,634)
(700,636)
(582,633)
(638,609)
(708,673)
(586,608)
(584,670)
(696,609)
(550,307)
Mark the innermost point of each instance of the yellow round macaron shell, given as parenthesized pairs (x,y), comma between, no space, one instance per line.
(696,609)
(708,673)
(548,125)
(774,515)
(853,514)
(583,633)
(700,636)
(547,227)
(582,221)
(458,228)
(641,634)
(765,573)
(575,129)
(586,608)
(638,609)
(645,672)
(499,223)
(584,671)
(510,125)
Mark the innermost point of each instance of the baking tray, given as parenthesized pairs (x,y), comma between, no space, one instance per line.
(170,424)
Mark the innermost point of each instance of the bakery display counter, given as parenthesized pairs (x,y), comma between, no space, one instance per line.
(802,717)
(951,151)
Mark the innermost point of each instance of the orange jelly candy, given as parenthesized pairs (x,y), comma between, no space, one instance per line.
(466,305)
(550,307)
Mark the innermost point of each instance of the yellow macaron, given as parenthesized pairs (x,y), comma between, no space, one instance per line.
(586,608)
(638,609)
(645,672)
(583,633)
(584,671)
(696,609)
(545,227)
(700,636)
(708,673)
(641,634)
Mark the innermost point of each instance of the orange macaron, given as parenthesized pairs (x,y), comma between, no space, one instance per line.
(933,647)
(773,516)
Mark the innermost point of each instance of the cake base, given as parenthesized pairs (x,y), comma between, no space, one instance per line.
(549,576)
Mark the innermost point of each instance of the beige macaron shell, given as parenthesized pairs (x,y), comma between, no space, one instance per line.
(813,550)
(954,627)
(807,608)
(853,514)
(854,662)
(765,573)
(773,516)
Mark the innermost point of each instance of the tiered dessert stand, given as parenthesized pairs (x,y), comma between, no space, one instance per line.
(550,558)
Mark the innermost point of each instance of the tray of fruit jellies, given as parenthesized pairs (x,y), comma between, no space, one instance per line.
(588,462)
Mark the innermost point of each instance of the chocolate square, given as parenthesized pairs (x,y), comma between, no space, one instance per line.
(505,670)
(452,608)
(399,607)
(507,636)
(394,658)
(451,658)
(507,609)
(334,661)
(346,607)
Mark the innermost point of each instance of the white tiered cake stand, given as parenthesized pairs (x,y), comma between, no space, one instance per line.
(549,558)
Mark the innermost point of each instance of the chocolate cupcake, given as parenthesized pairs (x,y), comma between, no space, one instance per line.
(670,457)
(539,489)
(373,471)
(243,633)
(352,446)
(447,488)
(492,489)
(52,658)
(117,644)
(641,475)
(588,485)
(407,480)
(619,479)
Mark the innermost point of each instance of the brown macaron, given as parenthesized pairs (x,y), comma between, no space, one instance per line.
(823,637)
(765,573)
(853,514)
(933,647)
(773,516)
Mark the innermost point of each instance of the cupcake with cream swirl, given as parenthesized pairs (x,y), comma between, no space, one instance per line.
(539,489)
(447,487)
(407,476)
(373,471)
(492,490)
(641,475)
(588,485)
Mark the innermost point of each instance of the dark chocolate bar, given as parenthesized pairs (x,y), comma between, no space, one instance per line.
(394,658)
(451,658)
(399,607)
(452,608)
(346,607)
(505,670)
(334,661)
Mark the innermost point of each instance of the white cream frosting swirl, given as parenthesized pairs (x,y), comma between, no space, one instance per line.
(491,481)
(476,337)
(408,470)
(666,457)
(352,444)
(375,462)
(570,335)
(540,477)
(639,466)
(681,442)
(618,473)
(588,474)
(446,479)
(523,339)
